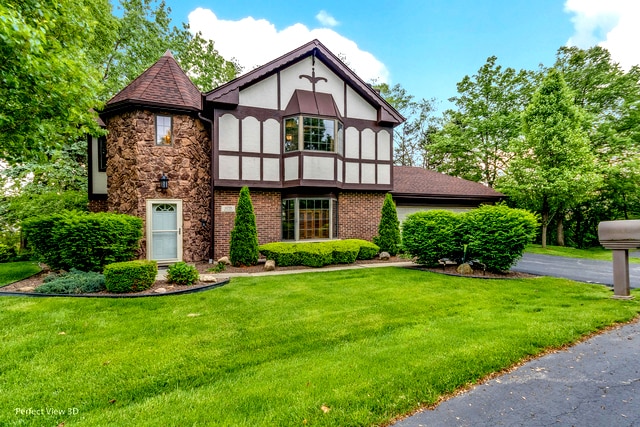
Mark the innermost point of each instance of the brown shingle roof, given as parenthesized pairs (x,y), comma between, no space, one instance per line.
(423,183)
(164,84)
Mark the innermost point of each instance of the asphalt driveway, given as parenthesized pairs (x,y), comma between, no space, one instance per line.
(581,270)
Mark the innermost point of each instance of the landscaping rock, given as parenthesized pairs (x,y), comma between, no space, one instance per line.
(27,289)
(384,256)
(225,260)
(208,278)
(160,291)
(269,265)
(464,269)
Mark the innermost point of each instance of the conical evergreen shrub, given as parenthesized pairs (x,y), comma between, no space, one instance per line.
(388,237)
(244,236)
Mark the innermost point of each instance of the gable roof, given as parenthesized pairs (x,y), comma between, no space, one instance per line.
(421,183)
(163,85)
(228,94)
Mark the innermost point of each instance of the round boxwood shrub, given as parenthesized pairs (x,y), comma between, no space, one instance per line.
(497,234)
(182,273)
(130,276)
(432,235)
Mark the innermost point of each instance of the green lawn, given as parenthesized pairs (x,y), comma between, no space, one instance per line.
(344,348)
(591,253)
(13,271)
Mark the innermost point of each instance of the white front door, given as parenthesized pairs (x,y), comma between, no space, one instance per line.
(164,230)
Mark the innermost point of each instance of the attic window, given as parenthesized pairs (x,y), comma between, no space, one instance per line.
(164,130)
(312,134)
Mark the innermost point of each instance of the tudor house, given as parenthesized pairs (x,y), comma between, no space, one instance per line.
(312,141)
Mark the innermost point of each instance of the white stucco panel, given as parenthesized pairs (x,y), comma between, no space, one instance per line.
(263,94)
(384,145)
(352,173)
(368,173)
(250,135)
(98,179)
(368,144)
(251,168)
(270,169)
(229,167)
(352,143)
(271,137)
(384,174)
(290,168)
(290,81)
(358,108)
(228,133)
(334,85)
(318,168)
(340,165)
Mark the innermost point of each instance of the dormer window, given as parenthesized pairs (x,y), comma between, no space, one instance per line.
(313,134)
(163,130)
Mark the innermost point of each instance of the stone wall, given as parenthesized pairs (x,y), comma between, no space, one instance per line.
(359,214)
(266,206)
(135,165)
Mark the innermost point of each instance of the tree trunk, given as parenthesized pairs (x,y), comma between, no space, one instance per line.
(560,236)
(545,221)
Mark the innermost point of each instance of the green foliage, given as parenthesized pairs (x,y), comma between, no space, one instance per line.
(14,271)
(243,248)
(218,268)
(388,238)
(7,253)
(474,141)
(130,276)
(432,235)
(319,254)
(84,241)
(182,273)
(554,167)
(498,235)
(73,282)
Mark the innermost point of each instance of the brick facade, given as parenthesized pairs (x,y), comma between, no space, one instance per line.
(136,164)
(359,214)
(266,206)
(98,205)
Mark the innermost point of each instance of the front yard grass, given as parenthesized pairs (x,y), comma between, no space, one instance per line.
(343,348)
(598,253)
(13,271)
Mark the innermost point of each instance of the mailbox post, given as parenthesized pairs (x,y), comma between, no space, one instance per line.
(620,236)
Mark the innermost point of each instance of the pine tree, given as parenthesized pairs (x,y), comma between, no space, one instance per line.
(388,237)
(244,236)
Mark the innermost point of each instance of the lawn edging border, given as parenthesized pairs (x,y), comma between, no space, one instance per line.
(178,292)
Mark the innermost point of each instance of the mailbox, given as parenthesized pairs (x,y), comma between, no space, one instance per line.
(620,236)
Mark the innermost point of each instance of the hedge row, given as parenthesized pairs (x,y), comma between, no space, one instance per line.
(131,276)
(318,254)
(86,241)
(494,235)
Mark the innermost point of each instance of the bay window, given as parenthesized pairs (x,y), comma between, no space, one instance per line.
(313,134)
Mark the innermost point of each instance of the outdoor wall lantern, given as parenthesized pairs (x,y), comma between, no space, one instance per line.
(164,182)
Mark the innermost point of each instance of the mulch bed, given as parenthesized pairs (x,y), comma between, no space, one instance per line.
(205,268)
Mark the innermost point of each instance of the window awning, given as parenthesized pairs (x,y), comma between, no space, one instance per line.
(312,103)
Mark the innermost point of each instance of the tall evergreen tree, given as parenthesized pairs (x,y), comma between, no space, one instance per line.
(388,237)
(244,236)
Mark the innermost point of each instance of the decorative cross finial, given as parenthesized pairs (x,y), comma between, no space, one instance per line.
(312,78)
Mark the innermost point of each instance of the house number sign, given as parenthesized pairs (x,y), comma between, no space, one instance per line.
(228,208)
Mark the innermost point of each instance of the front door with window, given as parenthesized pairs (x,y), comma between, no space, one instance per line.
(164,230)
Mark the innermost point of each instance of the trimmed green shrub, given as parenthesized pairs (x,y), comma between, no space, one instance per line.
(7,253)
(388,238)
(367,250)
(497,235)
(182,273)
(73,282)
(243,248)
(130,276)
(86,241)
(432,235)
(318,254)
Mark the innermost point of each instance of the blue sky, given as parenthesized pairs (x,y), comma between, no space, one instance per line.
(427,46)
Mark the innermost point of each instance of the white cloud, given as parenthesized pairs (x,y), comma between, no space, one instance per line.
(254,42)
(325,19)
(612,24)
